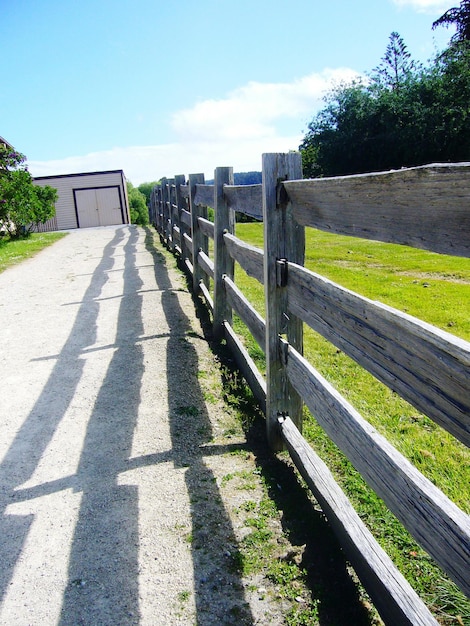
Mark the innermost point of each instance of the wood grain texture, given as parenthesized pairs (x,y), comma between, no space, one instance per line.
(206,227)
(249,257)
(283,239)
(426,207)
(247,366)
(199,241)
(164,210)
(253,320)
(189,266)
(176,236)
(185,191)
(157,211)
(223,262)
(425,365)
(188,242)
(186,218)
(205,195)
(437,524)
(247,199)
(181,204)
(171,212)
(206,263)
(206,293)
(392,595)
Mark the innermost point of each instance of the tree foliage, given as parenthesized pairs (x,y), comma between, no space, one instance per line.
(459,17)
(23,205)
(396,65)
(137,205)
(146,190)
(10,159)
(404,115)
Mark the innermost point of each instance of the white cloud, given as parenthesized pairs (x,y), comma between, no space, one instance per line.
(236,130)
(425,6)
(147,163)
(252,110)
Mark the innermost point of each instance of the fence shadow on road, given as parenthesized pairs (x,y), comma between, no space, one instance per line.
(218,590)
(103,567)
(37,431)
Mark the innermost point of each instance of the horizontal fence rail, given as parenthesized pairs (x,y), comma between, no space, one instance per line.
(426,366)
(425,207)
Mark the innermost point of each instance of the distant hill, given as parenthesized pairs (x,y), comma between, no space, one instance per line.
(247,178)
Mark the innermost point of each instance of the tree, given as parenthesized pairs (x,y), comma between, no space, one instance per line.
(396,65)
(26,205)
(344,137)
(146,190)
(137,205)
(9,159)
(45,206)
(405,116)
(366,125)
(23,204)
(459,17)
(448,85)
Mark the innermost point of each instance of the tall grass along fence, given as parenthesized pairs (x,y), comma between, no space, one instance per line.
(425,207)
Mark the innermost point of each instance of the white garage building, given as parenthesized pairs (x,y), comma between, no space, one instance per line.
(89,199)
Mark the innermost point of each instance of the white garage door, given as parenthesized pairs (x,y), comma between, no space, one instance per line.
(98,207)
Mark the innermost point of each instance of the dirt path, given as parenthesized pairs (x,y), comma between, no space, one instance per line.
(112,453)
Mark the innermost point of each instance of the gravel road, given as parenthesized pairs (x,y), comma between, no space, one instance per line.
(112,452)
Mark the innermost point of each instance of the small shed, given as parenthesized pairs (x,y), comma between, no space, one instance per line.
(88,199)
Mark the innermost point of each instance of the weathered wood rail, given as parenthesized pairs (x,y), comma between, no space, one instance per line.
(426,207)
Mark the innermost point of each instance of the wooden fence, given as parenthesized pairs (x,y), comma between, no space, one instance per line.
(46,227)
(426,207)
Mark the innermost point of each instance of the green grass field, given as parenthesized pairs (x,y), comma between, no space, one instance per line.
(436,289)
(17,250)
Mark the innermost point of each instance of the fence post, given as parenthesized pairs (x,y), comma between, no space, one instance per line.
(171,217)
(284,240)
(164,201)
(223,263)
(152,207)
(179,202)
(197,236)
(158,209)
(156,204)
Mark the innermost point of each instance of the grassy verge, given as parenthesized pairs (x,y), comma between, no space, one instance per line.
(286,552)
(435,288)
(13,252)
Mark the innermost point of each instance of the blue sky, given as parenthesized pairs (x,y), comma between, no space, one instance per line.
(177,87)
